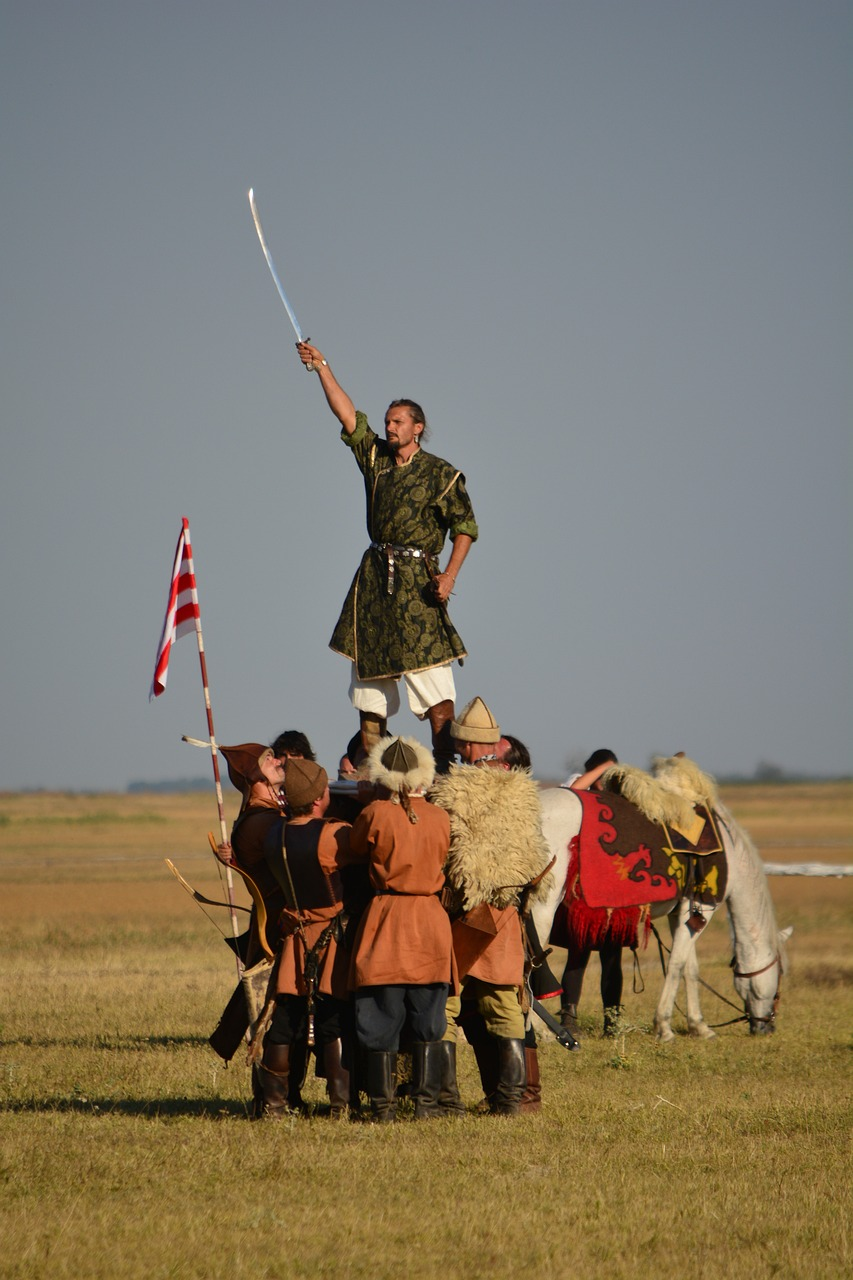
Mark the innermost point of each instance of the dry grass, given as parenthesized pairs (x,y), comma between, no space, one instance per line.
(125,1150)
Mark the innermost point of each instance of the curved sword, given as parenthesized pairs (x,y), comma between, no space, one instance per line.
(288,308)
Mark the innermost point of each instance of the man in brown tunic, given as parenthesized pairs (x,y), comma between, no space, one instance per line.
(402,966)
(258,774)
(306,857)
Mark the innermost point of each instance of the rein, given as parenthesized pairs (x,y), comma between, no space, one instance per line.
(743,1017)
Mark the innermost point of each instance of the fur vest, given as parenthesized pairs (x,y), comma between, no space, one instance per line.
(496,841)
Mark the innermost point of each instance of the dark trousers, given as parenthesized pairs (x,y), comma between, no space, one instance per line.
(610,955)
(332,1020)
(382,1012)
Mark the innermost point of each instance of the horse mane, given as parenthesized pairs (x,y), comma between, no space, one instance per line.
(670,794)
(741,849)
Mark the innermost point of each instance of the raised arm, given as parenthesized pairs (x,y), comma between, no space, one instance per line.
(339,402)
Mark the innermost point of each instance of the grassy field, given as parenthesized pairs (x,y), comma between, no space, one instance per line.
(125,1150)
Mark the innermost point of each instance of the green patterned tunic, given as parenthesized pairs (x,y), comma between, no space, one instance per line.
(415,505)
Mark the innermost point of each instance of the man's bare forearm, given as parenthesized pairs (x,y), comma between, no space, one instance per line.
(338,400)
(462,544)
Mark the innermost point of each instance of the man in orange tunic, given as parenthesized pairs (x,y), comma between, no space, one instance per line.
(402,965)
(497,850)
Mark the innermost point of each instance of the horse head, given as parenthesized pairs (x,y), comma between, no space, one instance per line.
(760,989)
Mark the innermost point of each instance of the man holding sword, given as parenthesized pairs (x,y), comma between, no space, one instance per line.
(394,622)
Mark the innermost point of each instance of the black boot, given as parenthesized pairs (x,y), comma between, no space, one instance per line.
(274,1073)
(485,1047)
(512,1078)
(337,1079)
(612,1021)
(611,988)
(299,1058)
(449,1101)
(257,1094)
(427,1063)
(569,1017)
(382,1085)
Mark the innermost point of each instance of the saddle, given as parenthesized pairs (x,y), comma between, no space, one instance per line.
(643,840)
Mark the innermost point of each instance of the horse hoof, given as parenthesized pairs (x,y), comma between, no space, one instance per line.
(702,1031)
(665,1034)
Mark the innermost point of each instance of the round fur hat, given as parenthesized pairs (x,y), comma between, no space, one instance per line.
(401,764)
(304,782)
(244,763)
(476,724)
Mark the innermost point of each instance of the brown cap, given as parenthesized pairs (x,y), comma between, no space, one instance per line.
(401,764)
(244,763)
(476,724)
(304,782)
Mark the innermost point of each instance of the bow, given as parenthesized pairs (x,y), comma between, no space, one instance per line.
(254,892)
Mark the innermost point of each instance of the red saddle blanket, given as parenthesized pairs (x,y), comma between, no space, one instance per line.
(621,862)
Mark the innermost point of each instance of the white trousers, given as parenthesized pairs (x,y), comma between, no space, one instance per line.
(424,688)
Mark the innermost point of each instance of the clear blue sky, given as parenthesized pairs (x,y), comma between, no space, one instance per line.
(606,245)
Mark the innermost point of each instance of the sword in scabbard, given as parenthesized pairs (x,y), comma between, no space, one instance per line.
(561,1034)
(309,970)
(297,328)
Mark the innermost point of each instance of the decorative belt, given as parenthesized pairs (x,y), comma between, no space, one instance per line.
(392,553)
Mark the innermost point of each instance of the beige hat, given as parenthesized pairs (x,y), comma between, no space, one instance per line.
(304,782)
(476,724)
(401,764)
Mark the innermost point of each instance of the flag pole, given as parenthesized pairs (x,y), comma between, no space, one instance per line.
(220,803)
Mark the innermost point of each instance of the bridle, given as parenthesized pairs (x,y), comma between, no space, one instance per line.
(754,973)
(746,1016)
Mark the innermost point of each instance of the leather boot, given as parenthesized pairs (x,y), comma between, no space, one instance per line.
(612,1021)
(485,1047)
(569,1018)
(531,1099)
(274,1072)
(257,1094)
(299,1057)
(337,1079)
(440,717)
(382,1085)
(427,1062)
(449,1101)
(373,728)
(511,1078)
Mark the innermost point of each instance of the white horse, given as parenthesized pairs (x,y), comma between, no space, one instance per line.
(759,957)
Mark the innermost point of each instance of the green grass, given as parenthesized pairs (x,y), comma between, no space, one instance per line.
(125,1148)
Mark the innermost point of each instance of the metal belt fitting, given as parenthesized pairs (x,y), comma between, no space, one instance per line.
(392,552)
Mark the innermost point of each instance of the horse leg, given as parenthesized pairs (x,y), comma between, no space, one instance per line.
(669,991)
(696,1024)
(683,963)
(682,943)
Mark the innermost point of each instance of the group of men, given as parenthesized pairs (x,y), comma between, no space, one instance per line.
(406,923)
(397,930)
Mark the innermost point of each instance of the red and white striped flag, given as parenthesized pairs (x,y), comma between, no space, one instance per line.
(182,611)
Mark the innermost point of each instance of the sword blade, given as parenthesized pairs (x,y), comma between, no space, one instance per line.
(288,308)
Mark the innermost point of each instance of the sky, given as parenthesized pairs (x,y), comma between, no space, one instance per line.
(605,243)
